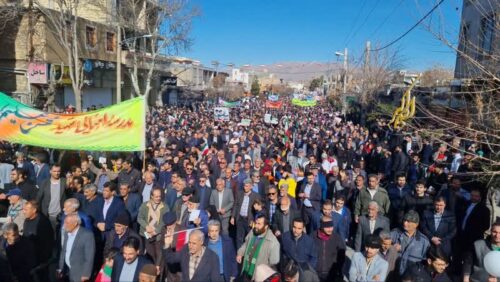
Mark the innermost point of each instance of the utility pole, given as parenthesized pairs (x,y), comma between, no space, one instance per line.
(119,65)
(344,94)
(345,71)
(367,56)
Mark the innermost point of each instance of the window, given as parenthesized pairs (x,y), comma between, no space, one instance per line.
(465,37)
(91,36)
(110,41)
(487,32)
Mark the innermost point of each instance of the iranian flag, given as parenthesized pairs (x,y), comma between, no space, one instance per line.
(205,149)
(183,238)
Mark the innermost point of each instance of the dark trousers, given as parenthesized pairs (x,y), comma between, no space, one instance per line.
(242,229)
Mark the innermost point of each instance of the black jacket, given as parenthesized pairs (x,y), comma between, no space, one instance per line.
(40,232)
(330,252)
(22,259)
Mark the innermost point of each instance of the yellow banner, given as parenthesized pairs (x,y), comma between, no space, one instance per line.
(119,127)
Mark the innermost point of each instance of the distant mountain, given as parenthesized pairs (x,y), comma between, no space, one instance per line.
(297,71)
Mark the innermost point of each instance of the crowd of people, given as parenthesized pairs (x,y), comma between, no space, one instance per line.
(312,197)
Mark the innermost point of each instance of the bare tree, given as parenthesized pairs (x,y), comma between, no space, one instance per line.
(10,11)
(474,127)
(152,29)
(376,73)
(62,21)
(437,75)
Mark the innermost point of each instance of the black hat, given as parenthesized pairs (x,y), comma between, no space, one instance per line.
(187,191)
(169,218)
(373,241)
(194,199)
(123,219)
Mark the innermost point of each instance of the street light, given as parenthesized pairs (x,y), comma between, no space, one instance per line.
(119,61)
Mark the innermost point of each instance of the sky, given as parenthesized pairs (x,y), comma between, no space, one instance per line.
(259,32)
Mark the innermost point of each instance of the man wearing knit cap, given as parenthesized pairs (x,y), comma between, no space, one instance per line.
(120,233)
(411,244)
(148,273)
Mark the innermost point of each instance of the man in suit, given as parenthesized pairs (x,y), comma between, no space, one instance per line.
(397,192)
(110,208)
(223,200)
(272,203)
(439,225)
(198,263)
(127,266)
(310,198)
(77,254)
(258,185)
(371,224)
(146,186)
(243,215)
(52,195)
(203,191)
(472,222)
(223,246)
(283,217)
(132,201)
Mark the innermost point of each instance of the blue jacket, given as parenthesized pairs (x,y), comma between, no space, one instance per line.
(342,222)
(203,223)
(86,221)
(94,209)
(413,250)
(118,266)
(164,178)
(30,171)
(230,266)
(303,250)
(117,206)
(323,184)
(359,272)
(204,196)
(396,197)
(43,175)
(133,204)
(171,198)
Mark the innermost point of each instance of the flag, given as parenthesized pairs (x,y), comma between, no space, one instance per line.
(119,127)
(303,103)
(274,105)
(182,239)
(205,149)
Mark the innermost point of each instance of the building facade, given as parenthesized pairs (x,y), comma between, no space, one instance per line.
(479,44)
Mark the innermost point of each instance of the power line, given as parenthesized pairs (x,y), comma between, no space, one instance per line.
(412,28)
(364,22)
(388,17)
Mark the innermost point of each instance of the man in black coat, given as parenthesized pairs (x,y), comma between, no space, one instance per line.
(331,250)
(18,176)
(20,253)
(400,162)
(37,229)
(205,261)
(473,223)
(439,226)
(283,217)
